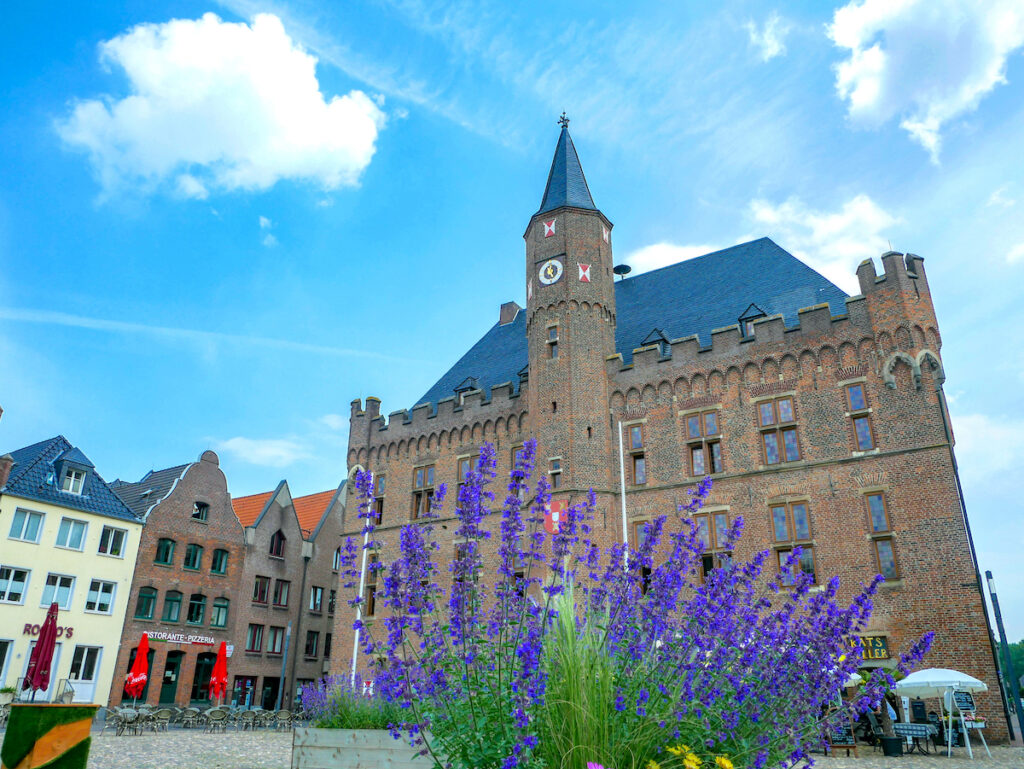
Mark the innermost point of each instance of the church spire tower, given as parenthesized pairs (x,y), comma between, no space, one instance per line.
(570,322)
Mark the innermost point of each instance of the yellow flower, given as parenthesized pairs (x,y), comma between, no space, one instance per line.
(652,764)
(692,761)
(678,751)
(842,657)
(723,763)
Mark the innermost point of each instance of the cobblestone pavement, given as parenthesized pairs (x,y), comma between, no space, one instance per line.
(188,749)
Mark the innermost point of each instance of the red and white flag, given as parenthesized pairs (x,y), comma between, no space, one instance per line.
(605,233)
(549,228)
(554,516)
(584,272)
(529,289)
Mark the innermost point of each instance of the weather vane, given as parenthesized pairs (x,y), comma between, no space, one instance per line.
(563,121)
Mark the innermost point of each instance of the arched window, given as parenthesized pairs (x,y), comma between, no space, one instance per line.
(165,551)
(277,544)
(196,609)
(336,564)
(146,605)
(172,606)
(219,616)
(219,565)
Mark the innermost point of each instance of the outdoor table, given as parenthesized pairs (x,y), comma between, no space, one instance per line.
(919,733)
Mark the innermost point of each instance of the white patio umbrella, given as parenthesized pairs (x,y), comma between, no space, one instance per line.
(935,682)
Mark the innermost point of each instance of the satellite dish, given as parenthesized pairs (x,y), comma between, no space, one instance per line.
(622,269)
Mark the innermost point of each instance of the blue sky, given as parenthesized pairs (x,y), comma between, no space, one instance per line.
(216,230)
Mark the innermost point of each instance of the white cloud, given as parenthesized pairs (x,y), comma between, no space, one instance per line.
(269,241)
(924,61)
(334,421)
(265,223)
(833,243)
(268,452)
(998,198)
(1016,254)
(771,40)
(220,106)
(663,254)
(987,447)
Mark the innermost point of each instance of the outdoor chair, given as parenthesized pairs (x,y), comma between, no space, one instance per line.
(216,720)
(111,720)
(189,718)
(128,721)
(246,720)
(162,719)
(876,731)
(283,719)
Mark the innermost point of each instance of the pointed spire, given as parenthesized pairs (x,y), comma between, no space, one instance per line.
(567,186)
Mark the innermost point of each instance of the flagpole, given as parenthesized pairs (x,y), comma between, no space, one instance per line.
(359,605)
(622,496)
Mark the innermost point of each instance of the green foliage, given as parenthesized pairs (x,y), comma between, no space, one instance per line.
(345,710)
(1017,657)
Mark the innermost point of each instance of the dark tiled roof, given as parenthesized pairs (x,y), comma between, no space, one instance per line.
(32,467)
(691,297)
(567,186)
(154,486)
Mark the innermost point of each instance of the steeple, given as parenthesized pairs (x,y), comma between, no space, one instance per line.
(567,186)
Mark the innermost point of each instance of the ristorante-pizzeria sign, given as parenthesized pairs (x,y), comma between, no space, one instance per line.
(181,638)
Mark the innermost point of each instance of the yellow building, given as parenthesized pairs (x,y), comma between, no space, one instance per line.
(65,537)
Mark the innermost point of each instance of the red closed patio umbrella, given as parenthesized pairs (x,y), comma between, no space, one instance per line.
(136,679)
(38,674)
(219,676)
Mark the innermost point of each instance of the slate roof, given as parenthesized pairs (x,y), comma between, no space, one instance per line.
(567,186)
(691,297)
(145,494)
(33,465)
(248,509)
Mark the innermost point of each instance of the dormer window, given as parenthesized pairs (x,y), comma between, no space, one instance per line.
(200,511)
(657,337)
(750,315)
(277,544)
(73,480)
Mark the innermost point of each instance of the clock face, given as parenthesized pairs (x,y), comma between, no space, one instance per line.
(550,272)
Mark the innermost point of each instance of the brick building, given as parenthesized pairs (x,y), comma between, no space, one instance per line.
(288,585)
(820,416)
(187,580)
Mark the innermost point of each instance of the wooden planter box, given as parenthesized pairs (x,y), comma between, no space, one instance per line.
(55,736)
(314,748)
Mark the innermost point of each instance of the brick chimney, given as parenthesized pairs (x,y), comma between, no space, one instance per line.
(6,463)
(508,313)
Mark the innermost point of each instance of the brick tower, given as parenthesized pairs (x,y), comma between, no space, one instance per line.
(570,326)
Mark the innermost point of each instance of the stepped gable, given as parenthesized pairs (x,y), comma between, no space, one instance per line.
(148,492)
(689,298)
(32,477)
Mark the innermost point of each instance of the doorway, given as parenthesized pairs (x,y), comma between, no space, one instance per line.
(271,685)
(243,693)
(54,667)
(201,680)
(85,665)
(169,683)
(149,675)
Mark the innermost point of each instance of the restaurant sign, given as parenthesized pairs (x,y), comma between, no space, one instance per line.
(182,638)
(871,647)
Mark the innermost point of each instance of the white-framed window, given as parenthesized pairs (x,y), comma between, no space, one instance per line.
(26,526)
(73,481)
(316,598)
(13,584)
(112,541)
(71,534)
(58,589)
(101,597)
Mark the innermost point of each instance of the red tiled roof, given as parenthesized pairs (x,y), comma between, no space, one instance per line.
(248,509)
(311,508)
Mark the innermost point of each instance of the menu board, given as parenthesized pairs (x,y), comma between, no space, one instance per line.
(840,733)
(964,700)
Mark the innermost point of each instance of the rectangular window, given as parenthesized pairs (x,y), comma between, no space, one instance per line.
(552,341)
(100,598)
(791,522)
(165,552)
(878,512)
(379,483)
(312,642)
(370,588)
(261,590)
(555,473)
(637,459)
(704,447)
(26,526)
(856,400)
(254,638)
(112,541)
(281,589)
(275,640)
(73,481)
(219,564)
(422,490)
(778,433)
(146,605)
(886,555)
(71,534)
(219,615)
(200,511)
(196,609)
(806,564)
(465,467)
(172,606)
(713,532)
(12,584)
(862,433)
(58,589)
(332,602)
(316,598)
(83,663)
(327,646)
(193,557)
